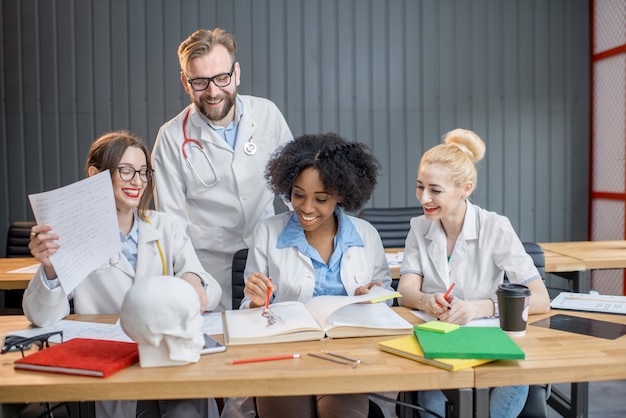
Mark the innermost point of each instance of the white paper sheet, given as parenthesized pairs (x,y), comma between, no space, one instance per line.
(32,269)
(593,303)
(213,323)
(480,322)
(83,214)
(77,329)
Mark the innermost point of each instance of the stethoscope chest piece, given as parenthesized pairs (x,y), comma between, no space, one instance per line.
(249,148)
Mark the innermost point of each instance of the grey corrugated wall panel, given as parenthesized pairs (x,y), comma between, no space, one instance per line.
(395,74)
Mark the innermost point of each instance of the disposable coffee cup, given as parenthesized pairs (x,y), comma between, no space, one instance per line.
(513,303)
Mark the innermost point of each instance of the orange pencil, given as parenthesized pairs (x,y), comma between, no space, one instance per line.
(447,293)
(260,359)
(266,311)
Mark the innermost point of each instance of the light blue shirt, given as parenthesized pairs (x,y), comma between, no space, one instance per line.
(229,133)
(130,244)
(327,276)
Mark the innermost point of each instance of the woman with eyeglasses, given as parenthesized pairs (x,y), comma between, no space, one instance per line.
(153,244)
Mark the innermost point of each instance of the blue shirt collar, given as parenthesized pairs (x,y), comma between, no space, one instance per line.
(347,236)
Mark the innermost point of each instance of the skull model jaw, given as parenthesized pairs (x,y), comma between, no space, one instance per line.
(162,315)
(151,356)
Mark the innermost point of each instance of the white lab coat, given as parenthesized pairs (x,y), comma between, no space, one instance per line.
(220,218)
(103,290)
(294,275)
(293,272)
(487,248)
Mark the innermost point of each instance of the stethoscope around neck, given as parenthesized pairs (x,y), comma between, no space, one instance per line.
(249,148)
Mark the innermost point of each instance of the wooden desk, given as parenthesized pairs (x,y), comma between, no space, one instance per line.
(555,262)
(554,356)
(594,255)
(15,281)
(212,377)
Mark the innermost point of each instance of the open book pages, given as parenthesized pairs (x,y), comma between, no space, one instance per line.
(332,316)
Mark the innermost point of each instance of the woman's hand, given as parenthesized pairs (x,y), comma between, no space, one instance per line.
(458,311)
(42,245)
(195,282)
(256,289)
(364,290)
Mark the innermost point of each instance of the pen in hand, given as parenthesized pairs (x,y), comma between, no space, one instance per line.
(266,311)
(447,293)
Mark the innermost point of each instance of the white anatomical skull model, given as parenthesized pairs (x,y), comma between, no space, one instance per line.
(162,314)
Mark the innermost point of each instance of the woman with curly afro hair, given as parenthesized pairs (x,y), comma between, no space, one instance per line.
(317,249)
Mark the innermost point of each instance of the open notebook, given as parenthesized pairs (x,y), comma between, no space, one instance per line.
(331,316)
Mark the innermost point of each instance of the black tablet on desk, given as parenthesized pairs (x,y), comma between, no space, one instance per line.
(585,326)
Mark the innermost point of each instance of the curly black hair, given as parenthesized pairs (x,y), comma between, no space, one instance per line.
(346,168)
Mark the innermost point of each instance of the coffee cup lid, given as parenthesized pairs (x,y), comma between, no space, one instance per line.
(513,289)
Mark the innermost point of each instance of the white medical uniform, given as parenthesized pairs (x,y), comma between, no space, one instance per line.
(220,218)
(487,248)
(103,290)
(294,272)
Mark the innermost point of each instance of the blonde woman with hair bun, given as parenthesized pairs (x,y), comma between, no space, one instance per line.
(457,241)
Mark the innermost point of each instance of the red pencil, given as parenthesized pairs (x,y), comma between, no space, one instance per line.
(259,359)
(447,293)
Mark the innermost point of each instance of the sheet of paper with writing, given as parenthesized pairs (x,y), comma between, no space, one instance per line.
(83,214)
(587,302)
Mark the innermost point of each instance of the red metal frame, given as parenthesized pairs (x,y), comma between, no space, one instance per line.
(593,195)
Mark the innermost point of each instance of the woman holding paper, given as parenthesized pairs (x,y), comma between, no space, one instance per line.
(153,244)
(456,254)
(317,249)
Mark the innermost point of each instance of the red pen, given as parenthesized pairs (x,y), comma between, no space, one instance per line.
(259,359)
(447,293)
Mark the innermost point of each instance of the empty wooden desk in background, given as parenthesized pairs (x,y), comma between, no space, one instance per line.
(15,281)
(593,255)
(571,260)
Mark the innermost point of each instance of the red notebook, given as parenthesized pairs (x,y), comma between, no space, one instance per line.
(82,356)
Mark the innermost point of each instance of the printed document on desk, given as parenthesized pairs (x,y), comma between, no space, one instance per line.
(83,214)
(77,329)
(593,303)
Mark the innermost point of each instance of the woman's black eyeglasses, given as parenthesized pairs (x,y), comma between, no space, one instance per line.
(16,342)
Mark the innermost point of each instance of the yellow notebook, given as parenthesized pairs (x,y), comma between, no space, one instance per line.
(408,347)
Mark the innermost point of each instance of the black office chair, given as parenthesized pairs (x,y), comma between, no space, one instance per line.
(238,284)
(18,237)
(392,224)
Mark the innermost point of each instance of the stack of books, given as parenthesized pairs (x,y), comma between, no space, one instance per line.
(452,347)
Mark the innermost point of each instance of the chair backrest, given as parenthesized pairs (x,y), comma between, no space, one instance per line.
(238,282)
(18,238)
(535,252)
(393,224)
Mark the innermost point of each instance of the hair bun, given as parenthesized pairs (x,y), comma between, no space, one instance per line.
(467,141)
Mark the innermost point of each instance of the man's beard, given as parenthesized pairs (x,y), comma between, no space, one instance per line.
(216,115)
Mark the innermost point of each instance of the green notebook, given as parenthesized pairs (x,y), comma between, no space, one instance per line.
(469,342)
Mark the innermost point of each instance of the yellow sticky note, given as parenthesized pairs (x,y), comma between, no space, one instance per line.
(438,326)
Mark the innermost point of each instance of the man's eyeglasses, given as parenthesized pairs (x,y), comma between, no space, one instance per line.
(16,342)
(128,173)
(220,80)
